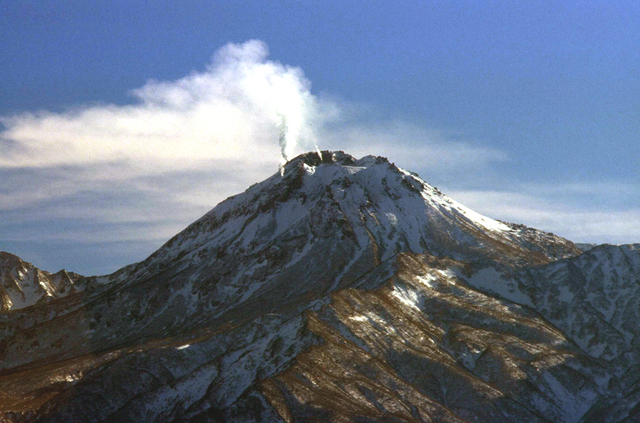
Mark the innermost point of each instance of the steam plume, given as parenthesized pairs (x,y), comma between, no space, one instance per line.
(282,127)
(227,115)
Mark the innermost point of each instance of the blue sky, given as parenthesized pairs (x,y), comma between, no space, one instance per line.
(524,111)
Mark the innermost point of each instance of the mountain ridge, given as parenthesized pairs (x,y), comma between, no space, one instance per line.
(300,168)
(342,290)
(22,284)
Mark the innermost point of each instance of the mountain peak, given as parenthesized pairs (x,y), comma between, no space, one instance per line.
(23,285)
(307,276)
(368,206)
(315,158)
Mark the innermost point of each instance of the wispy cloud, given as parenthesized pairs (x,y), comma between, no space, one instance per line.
(180,148)
(229,112)
(559,208)
(411,145)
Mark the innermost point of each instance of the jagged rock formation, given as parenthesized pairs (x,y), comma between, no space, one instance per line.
(22,284)
(344,290)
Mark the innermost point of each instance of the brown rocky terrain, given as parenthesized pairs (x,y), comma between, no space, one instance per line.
(346,290)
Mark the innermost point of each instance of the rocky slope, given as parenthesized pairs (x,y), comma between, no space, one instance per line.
(345,290)
(23,285)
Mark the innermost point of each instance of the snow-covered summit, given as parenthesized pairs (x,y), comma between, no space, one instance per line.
(368,200)
(22,284)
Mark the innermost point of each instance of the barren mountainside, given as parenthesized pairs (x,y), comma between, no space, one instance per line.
(344,290)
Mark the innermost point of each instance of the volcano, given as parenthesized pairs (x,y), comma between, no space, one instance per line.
(343,290)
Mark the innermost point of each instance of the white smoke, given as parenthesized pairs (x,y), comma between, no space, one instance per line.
(232,112)
(287,141)
(282,141)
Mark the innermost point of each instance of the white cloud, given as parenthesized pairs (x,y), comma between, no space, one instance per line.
(190,142)
(410,146)
(555,208)
(230,112)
